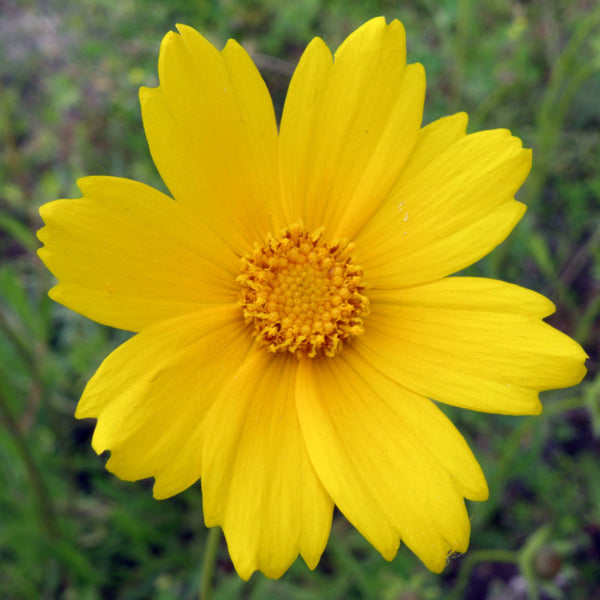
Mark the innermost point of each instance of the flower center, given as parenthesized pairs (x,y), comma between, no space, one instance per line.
(303,295)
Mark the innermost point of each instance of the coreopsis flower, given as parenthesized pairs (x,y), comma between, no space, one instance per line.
(294,316)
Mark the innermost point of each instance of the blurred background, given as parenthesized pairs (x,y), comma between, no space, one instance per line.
(69,79)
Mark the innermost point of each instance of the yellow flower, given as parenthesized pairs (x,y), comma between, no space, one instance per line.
(292,306)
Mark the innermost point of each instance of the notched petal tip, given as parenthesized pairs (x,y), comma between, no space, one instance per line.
(376,24)
(396,28)
(437,560)
(462,115)
(184,29)
(454,126)
(481,495)
(145,94)
(528,157)
(245,571)
(475,488)
(171,48)
(316,46)
(94,185)
(415,80)
(160,491)
(312,560)
(189,35)
(534,409)
(98,444)
(171,37)
(47,212)
(579,371)
(372,33)
(81,413)
(232,46)
(389,553)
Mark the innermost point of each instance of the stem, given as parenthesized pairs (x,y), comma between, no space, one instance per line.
(560,406)
(209,562)
(556,100)
(580,258)
(35,478)
(463,25)
(584,327)
(21,349)
(14,159)
(479,556)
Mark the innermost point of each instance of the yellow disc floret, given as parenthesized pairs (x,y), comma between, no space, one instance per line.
(303,295)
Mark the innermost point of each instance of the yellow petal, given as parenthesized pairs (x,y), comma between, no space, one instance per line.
(474,343)
(348,128)
(298,125)
(128,256)
(433,139)
(151,395)
(213,136)
(381,453)
(448,214)
(257,480)
(448,254)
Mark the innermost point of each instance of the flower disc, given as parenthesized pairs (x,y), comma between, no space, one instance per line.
(302,294)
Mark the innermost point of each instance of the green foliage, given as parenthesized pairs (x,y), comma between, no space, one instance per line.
(68,107)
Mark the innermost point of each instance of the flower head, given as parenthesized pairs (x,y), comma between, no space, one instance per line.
(293,312)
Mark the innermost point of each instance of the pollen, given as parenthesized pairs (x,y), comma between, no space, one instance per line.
(303,295)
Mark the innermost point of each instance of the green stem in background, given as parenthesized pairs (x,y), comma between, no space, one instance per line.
(574,267)
(561,406)
(512,447)
(549,126)
(37,483)
(209,561)
(584,327)
(527,556)
(14,159)
(556,101)
(565,61)
(463,25)
(356,577)
(473,559)
(21,349)
(523,558)
(497,479)
(37,391)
